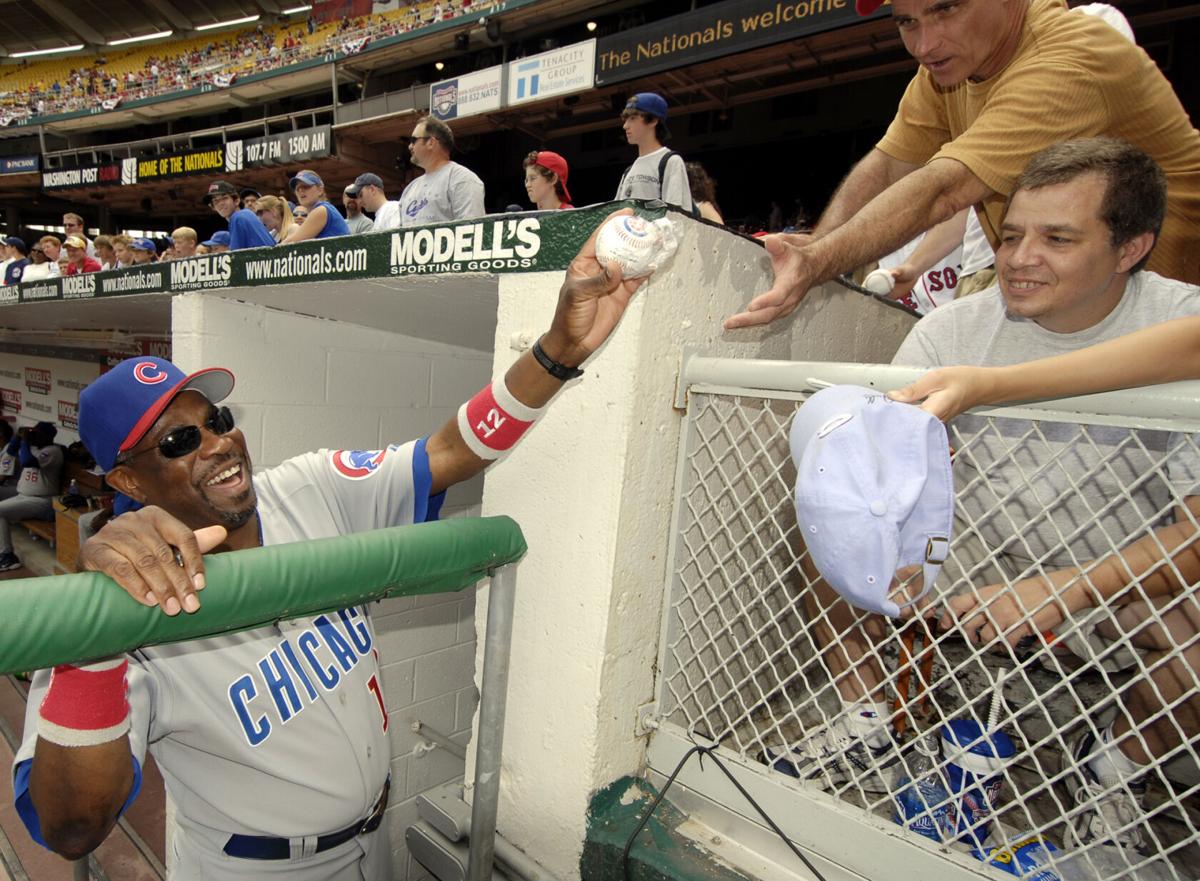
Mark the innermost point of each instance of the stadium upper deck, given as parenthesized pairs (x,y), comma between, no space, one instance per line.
(102,82)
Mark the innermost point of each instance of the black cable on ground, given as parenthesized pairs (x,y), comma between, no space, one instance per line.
(710,752)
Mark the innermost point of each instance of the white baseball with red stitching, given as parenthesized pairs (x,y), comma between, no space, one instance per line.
(632,242)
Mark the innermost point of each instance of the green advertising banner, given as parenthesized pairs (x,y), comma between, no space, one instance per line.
(496,244)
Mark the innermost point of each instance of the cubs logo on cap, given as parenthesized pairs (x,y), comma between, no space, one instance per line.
(117,410)
(149,373)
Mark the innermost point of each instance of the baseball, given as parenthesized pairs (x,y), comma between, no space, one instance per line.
(880,281)
(633,243)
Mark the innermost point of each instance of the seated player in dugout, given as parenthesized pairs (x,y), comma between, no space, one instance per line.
(1090,538)
(272,741)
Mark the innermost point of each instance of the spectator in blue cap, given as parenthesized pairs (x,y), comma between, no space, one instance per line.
(143,250)
(245,229)
(323,220)
(658,172)
(219,243)
(18,258)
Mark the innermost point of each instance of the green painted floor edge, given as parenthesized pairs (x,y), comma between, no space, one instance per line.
(660,853)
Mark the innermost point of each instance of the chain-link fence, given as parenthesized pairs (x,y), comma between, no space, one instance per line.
(1080,733)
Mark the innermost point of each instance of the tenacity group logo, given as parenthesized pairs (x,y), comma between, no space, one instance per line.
(499,246)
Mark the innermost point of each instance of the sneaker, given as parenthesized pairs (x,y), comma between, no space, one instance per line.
(1112,814)
(9,561)
(835,754)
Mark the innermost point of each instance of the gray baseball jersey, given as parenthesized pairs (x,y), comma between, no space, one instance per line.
(279,731)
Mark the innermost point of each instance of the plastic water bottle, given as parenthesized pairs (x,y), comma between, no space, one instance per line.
(1033,858)
(923,801)
(975,760)
(73,487)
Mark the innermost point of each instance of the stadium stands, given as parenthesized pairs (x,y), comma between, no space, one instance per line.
(63,85)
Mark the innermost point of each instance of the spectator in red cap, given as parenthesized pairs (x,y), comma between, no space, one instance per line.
(78,262)
(546,180)
(1000,80)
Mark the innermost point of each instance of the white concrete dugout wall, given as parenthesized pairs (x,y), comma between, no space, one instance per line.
(591,487)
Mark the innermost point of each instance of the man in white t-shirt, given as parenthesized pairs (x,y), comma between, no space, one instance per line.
(447,190)
(658,172)
(368,189)
(1079,228)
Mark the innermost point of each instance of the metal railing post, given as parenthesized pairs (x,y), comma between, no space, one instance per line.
(490,739)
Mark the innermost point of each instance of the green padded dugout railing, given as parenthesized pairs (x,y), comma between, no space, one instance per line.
(67,618)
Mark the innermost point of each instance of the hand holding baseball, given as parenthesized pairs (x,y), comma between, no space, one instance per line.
(590,303)
(637,245)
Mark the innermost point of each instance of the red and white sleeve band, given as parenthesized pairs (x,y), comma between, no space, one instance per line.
(493,421)
(86,706)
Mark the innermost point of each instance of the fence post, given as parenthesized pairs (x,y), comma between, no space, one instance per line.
(490,739)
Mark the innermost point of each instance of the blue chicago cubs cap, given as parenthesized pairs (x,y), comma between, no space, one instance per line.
(874,492)
(117,410)
(306,177)
(221,237)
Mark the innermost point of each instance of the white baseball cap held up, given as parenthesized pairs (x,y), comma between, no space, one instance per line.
(874,492)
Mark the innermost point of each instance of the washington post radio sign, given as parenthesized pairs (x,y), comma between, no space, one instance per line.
(558,72)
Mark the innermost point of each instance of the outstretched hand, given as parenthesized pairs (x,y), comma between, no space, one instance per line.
(947,391)
(153,557)
(590,304)
(792,281)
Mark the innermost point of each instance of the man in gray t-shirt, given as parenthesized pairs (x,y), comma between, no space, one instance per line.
(1046,500)
(447,190)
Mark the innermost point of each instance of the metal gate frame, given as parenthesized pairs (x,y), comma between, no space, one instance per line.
(844,841)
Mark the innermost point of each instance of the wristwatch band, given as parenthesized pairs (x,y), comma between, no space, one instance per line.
(558,371)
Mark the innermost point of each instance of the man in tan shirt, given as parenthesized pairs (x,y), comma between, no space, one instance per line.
(999,81)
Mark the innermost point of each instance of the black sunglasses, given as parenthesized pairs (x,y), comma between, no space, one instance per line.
(186,439)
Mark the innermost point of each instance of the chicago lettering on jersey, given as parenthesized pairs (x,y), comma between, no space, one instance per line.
(289,678)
